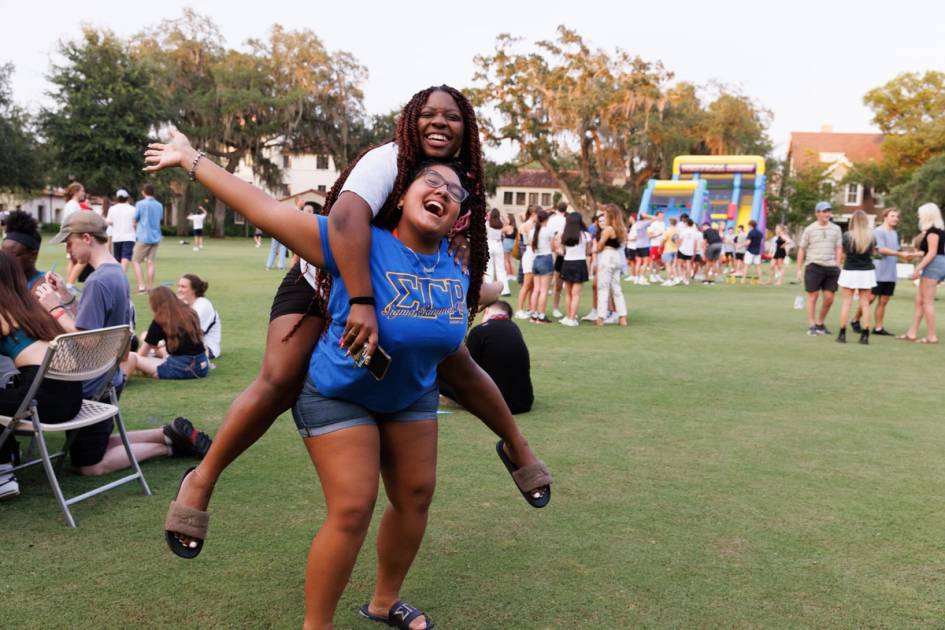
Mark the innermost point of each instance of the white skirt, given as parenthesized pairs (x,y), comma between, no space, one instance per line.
(857,279)
(528,261)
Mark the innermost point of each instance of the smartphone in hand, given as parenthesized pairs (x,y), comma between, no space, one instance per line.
(379,364)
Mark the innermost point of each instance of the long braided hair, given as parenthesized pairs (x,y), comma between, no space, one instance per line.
(409,155)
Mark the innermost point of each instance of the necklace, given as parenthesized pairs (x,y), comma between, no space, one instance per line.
(420,262)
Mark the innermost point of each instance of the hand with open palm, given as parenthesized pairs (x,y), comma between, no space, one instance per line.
(176,152)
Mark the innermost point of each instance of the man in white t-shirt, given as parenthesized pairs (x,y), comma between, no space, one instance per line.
(556,226)
(655,231)
(197,218)
(121,218)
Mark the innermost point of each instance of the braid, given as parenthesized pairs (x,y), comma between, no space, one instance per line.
(406,136)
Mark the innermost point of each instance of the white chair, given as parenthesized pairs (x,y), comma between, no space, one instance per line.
(80,356)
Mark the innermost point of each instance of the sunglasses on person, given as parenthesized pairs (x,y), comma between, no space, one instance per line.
(456,192)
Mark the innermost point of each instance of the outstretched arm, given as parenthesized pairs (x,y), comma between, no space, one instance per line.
(297,230)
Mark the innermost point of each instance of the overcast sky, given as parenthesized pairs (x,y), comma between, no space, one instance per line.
(809,62)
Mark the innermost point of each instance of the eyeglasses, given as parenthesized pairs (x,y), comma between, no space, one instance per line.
(456,192)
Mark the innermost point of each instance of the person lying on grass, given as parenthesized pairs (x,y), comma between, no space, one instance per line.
(357,423)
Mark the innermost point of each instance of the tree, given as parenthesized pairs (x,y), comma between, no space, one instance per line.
(566,98)
(910,110)
(104,109)
(734,125)
(927,184)
(286,94)
(19,151)
(800,193)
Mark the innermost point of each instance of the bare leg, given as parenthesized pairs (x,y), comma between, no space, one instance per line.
(524,294)
(825,306)
(347,462)
(917,315)
(558,285)
(927,288)
(275,389)
(138,275)
(811,307)
(408,466)
(881,311)
(574,302)
(845,306)
(148,365)
(146,444)
(151,269)
(866,296)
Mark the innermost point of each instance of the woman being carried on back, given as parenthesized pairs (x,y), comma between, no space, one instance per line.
(393,414)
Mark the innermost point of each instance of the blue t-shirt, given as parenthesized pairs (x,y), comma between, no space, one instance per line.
(32,281)
(755,238)
(105,302)
(886,265)
(421,319)
(148,215)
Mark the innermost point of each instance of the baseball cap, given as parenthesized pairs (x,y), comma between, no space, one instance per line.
(121,193)
(81,223)
(823,206)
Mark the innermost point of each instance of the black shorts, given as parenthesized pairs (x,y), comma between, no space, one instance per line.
(630,253)
(819,278)
(884,288)
(740,256)
(295,296)
(697,258)
(574,271)
(90,443)
(198,232)
(643,252)
(559,261)
(780,254)
(122,250)
(682,256)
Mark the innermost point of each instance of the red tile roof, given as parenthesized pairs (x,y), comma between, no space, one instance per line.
(806,147)
(527,178)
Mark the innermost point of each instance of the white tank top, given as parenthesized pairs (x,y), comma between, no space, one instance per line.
(493,234)
(579,251)
(544,241)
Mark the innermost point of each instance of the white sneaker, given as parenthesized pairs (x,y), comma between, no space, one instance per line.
(9,487)
(644,281)
(557,314)
(196,249)
(591,317)
(611,319)
(522,315)
(570,322)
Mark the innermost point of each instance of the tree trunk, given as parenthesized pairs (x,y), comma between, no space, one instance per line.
(180,215)
(219,208)
(562,185)
(586,175)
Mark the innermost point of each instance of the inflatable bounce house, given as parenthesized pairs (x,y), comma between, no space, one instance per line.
(724,189)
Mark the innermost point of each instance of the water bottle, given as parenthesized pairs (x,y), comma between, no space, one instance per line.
(798,302)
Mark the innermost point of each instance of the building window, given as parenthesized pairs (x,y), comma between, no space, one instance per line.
(238,219)
(286,162)
(507,198)
(321,162)
(321,188)
(852,197)
(546,199)
(878,200)
(519,199)
(533,199)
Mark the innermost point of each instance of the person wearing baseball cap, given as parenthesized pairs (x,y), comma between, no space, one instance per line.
(820,248)
(121,218)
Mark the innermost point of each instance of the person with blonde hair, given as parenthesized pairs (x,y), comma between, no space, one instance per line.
(609,245)
(929,271)
(858,274)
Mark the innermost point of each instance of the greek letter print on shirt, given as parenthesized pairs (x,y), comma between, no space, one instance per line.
(421,317)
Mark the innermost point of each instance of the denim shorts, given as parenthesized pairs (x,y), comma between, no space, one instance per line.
(179,367)
(935,270)
(543,265)
(316,415)
(669,257)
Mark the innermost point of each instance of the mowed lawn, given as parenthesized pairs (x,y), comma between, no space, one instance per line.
(714,467)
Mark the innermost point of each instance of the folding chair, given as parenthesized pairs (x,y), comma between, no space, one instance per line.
(80,356)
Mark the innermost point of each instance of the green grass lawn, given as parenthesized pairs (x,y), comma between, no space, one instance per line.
(714,467)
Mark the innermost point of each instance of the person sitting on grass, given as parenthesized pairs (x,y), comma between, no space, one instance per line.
(22,241)
(498,347)
(26,328)
(183,355)
(348,415)
(191,290)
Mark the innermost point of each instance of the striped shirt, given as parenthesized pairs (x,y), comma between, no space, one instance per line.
(820,243)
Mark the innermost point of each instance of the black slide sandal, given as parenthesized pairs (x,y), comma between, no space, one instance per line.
(532,477)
